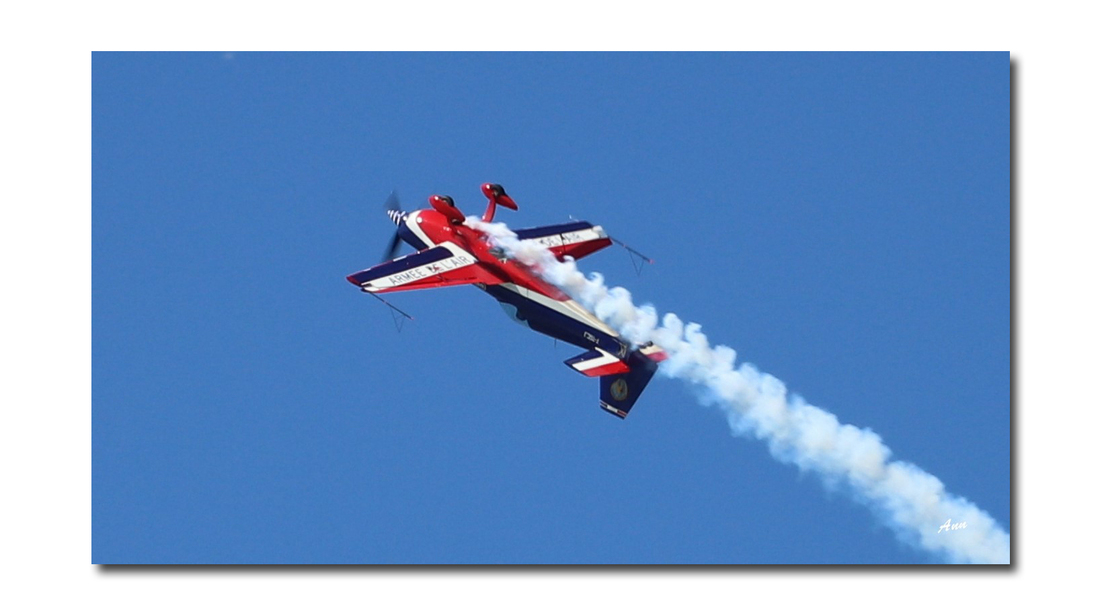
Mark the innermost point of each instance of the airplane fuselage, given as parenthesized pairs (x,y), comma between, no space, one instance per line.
(524,296)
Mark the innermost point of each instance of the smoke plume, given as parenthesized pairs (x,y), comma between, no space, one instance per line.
(912,502)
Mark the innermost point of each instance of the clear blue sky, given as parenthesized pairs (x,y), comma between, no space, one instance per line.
(842,220)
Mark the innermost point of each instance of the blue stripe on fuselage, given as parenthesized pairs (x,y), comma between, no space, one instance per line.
(548,321)
(410,237)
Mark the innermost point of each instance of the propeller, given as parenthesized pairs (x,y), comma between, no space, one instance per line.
(392,248)
(394,211)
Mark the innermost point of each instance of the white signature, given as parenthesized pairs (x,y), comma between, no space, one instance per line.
(949,525)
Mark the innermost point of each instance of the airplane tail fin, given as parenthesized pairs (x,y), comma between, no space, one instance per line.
(620,391)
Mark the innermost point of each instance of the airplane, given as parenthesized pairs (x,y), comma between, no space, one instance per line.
(450,252)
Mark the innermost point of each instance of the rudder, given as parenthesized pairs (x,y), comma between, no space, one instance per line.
(620,391)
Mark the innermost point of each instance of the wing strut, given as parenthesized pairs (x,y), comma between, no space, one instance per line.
(396,313)
(638,259)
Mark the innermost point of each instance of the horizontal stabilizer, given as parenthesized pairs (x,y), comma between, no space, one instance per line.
(653,351)
(597,363)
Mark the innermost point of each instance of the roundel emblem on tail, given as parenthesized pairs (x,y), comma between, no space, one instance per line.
(619,389)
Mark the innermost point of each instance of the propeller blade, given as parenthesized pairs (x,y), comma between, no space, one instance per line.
(392,202)
(392,248)
(393,209)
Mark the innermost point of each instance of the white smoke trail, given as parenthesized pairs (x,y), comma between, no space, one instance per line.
(911,501)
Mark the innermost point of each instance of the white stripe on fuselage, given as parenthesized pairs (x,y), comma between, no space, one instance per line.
(412,224)
(569,308)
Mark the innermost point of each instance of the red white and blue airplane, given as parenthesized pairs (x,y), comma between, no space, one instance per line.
(449,253)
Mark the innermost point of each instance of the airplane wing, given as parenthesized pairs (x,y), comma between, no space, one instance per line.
(575,239)
(443,265)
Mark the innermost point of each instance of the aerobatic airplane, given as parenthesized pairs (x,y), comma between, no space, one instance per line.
(449,253)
